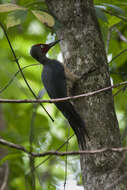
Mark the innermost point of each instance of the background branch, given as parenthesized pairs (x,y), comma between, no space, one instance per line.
(21,148)
(66,98)
(13,77)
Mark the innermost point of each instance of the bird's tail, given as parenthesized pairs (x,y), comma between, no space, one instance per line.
(74,120)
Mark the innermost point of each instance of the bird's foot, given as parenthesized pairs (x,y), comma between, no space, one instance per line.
(86,74)
(75,78)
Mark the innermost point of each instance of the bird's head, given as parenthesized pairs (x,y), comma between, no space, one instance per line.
(39,51)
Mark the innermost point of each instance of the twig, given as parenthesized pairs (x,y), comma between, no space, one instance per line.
(63,99)
(108,38)
(5,180)
(122,37)
(116,15)
(13,77)
(65,178)
(12,145)
(74,153)
(118,55)
(49,157)
(121,89)
(31,140)
(16,60)
(31,158)
(32,173)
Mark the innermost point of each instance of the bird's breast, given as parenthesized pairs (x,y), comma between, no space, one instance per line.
(54,81)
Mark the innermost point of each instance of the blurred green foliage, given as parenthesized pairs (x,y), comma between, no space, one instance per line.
(25,29)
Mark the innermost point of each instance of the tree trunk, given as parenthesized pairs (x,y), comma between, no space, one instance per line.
(83,51)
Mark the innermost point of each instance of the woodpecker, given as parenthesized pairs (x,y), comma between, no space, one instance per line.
(54,80)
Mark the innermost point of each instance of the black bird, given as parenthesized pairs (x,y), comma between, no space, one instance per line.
(53,78)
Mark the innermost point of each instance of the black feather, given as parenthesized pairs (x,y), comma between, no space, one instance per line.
(53,78)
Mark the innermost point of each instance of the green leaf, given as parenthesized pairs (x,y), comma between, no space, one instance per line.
(10,7)
(15,18)
(113,21)
(9,157)
(116,8)
(44,17)
(100,14)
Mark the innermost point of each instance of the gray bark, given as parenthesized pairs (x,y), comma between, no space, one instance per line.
(83,50)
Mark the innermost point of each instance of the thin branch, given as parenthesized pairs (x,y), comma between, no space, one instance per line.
(108,38)
(65,177)
(13,77)
(75,153)
(121,89)
(122,37)
(118,55)
(16,60)
(32,173)
(5,180)
(12,145)
(63,99)
(49,157)
(116,15)
(31,140)
(72,153)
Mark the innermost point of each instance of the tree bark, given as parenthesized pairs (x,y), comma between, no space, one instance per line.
(83,51)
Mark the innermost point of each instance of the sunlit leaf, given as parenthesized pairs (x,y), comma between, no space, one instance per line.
(113,20)
(10,7)
(15,18)
(116,8)
(45,18)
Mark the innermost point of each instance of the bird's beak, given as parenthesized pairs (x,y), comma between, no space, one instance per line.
(53,43)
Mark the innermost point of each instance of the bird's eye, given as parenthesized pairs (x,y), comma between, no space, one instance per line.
(41,46)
